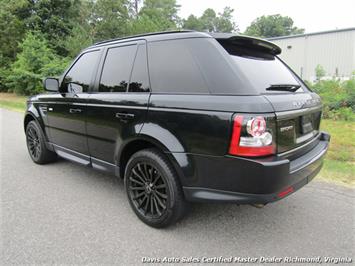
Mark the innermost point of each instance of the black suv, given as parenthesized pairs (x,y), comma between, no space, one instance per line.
(182,116)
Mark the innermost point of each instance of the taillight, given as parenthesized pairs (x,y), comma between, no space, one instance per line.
(252,136)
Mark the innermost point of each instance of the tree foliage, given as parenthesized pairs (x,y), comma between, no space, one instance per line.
(320,72)
(272,26)
(156,15)
(35,61)
(109,19)
(54,19)
(211,22)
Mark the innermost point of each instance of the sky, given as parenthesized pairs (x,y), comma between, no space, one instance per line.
(312,15)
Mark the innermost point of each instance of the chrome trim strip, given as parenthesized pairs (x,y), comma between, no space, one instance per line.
(300,147)
(117,106)
(99,105)
(71,155)
(295,113)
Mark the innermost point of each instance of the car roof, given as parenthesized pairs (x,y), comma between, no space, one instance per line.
(156,36)
(182,34)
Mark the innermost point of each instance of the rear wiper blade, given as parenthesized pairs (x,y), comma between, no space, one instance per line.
(284,87)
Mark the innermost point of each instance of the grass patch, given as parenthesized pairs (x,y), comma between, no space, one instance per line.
(339,164)
(13,102)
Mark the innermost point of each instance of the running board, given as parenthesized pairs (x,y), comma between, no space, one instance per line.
(86,160)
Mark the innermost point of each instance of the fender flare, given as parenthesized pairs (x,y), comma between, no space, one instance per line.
(181,161)
(33,114)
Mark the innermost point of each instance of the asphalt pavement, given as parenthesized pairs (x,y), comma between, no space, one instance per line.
(64,213)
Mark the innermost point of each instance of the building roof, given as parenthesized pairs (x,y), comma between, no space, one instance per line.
(310,34)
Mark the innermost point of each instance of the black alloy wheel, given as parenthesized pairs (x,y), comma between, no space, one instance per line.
(36,145)
(148,190)
(153,189)
(33,143)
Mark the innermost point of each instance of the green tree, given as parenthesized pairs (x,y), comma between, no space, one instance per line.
(109,19)
(155,15)
(211,22)
(79,38)
(12,30)
(320,72)
(54,19)
(208,20)
(144,24)
(272,26)
(193,23)
(164,11)
(82,33)
(35,61)
(224,22)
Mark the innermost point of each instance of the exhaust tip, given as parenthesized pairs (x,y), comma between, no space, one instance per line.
(259,206)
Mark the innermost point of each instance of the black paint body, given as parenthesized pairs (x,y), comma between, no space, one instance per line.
(102,129)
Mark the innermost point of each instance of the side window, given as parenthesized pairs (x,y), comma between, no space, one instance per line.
(139,79)
(78,78)
(173,68)
(117,69)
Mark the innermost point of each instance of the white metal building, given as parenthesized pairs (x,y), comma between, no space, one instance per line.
(334,50)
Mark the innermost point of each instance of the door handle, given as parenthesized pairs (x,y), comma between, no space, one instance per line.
(74,111)
(124,116)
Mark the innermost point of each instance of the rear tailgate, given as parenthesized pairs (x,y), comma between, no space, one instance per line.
(298,118)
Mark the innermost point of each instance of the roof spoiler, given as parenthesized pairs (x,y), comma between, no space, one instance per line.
(247,42)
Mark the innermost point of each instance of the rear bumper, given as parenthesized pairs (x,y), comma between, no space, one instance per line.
(254,181)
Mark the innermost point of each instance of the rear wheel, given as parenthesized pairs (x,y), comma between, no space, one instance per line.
(36,144)
(153,189)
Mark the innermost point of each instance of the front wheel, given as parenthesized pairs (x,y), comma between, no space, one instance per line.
(153,189)
(36,144)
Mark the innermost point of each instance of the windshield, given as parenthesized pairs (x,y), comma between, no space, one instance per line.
(264,72)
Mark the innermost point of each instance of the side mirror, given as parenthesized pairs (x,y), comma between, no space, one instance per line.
(51,84)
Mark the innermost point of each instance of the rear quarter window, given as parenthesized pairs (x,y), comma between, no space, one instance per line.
(173,68)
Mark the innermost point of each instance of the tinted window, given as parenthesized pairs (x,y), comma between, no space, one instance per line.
(173,68)
(218,71)
(79,76)
(117,69)
(259,68)
(263,72)
(139,79)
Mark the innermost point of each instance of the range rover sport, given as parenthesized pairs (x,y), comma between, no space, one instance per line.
(182,117)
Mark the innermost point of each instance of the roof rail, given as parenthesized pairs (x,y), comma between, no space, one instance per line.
(142,35)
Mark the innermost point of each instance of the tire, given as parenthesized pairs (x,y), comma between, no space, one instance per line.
(36,144)
(153,189)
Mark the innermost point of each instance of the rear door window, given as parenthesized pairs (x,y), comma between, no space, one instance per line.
(139,79)
(117,69)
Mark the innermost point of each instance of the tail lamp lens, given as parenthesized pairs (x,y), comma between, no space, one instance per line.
(251,137)
(256,126)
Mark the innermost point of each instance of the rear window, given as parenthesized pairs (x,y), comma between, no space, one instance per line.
(264,72)
(261,69)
